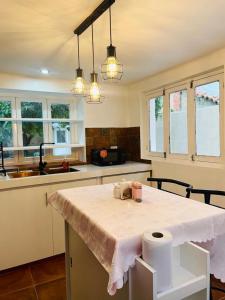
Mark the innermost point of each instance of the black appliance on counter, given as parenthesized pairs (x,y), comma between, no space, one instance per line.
(107,157)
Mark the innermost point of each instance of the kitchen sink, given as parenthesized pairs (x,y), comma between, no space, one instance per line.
(29,173)
(26,173)
(60,170)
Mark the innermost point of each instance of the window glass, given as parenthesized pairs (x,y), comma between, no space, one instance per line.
(60,111)
(5,109)
(32,136)
(6,133)
(178,122)
(31,109)
(8,154)
(207,106)
(156,124)
(61,135)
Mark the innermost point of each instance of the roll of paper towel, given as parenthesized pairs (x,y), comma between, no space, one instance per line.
(157,252)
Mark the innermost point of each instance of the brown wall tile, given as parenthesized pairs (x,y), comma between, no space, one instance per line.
(126,138)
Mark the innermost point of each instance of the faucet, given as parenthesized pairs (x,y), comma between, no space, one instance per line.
(42,164)
(2,170)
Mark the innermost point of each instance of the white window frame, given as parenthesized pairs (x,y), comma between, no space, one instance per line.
(185,86)
(20,119)
(14,127)
(189,84)
(145,149)
(18,148)
(201,81)
(72,120)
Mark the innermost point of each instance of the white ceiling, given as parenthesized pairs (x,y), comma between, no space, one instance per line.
(150,35)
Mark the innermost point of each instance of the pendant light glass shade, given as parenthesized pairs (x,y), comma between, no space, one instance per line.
(79,84)
(111,68)
(94,95)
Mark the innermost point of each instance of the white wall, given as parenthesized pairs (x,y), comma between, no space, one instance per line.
(112,113)
(199,174)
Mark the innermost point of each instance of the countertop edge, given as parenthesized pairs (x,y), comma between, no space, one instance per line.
(86,172)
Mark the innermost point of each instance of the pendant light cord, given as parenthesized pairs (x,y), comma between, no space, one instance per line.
(110,25)
(78,50)
(93,50)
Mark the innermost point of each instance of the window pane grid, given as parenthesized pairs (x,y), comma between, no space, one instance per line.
(27,123)
(192,117)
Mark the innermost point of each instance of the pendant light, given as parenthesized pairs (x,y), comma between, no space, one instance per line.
(111,69)
(94,93)
(79,84)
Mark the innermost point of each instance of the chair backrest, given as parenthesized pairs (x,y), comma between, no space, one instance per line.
(207,194)
(160,181)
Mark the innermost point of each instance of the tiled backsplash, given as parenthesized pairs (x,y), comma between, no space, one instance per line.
(125,138)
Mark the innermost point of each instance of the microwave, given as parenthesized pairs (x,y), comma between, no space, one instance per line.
(108,157)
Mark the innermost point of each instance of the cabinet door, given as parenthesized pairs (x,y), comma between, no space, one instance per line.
(25,226)
(58,221)
(142,177)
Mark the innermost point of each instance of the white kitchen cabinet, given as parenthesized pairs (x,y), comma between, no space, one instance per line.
(190,276)
(57,219)
(25,226)
(139,176)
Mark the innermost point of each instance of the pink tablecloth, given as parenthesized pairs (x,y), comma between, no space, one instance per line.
(113,228)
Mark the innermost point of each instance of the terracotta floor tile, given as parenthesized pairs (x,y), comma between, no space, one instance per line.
(48,270)
(27,294)
(217,283)
(15,279)
(217,295)
(55,290)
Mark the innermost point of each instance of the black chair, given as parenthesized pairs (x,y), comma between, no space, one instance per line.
(207,198)
(207,194)
(160,181)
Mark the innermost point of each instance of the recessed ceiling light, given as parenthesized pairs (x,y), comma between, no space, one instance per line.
(44,71)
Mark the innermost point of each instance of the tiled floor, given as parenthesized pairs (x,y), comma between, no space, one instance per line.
(42,280)
(45,280)
(216,294)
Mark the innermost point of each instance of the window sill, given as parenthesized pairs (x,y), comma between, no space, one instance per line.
(44,147)
(186,162)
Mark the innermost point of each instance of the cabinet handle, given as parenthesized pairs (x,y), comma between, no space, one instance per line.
(46,199)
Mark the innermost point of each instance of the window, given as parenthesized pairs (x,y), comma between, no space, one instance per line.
(27,122)
(32,126)
(186,121)
(207,107)
(60,127)
(156,124)
(178,122)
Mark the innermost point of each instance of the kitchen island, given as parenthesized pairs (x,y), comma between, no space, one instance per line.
(103,242)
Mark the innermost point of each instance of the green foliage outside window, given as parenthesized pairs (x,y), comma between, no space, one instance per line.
(158,107)
(31,110)
(60,111)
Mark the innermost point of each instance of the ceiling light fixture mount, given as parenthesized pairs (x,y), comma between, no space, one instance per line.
(93,16)
(114,69)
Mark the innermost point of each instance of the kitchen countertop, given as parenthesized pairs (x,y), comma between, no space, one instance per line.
(85,172)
